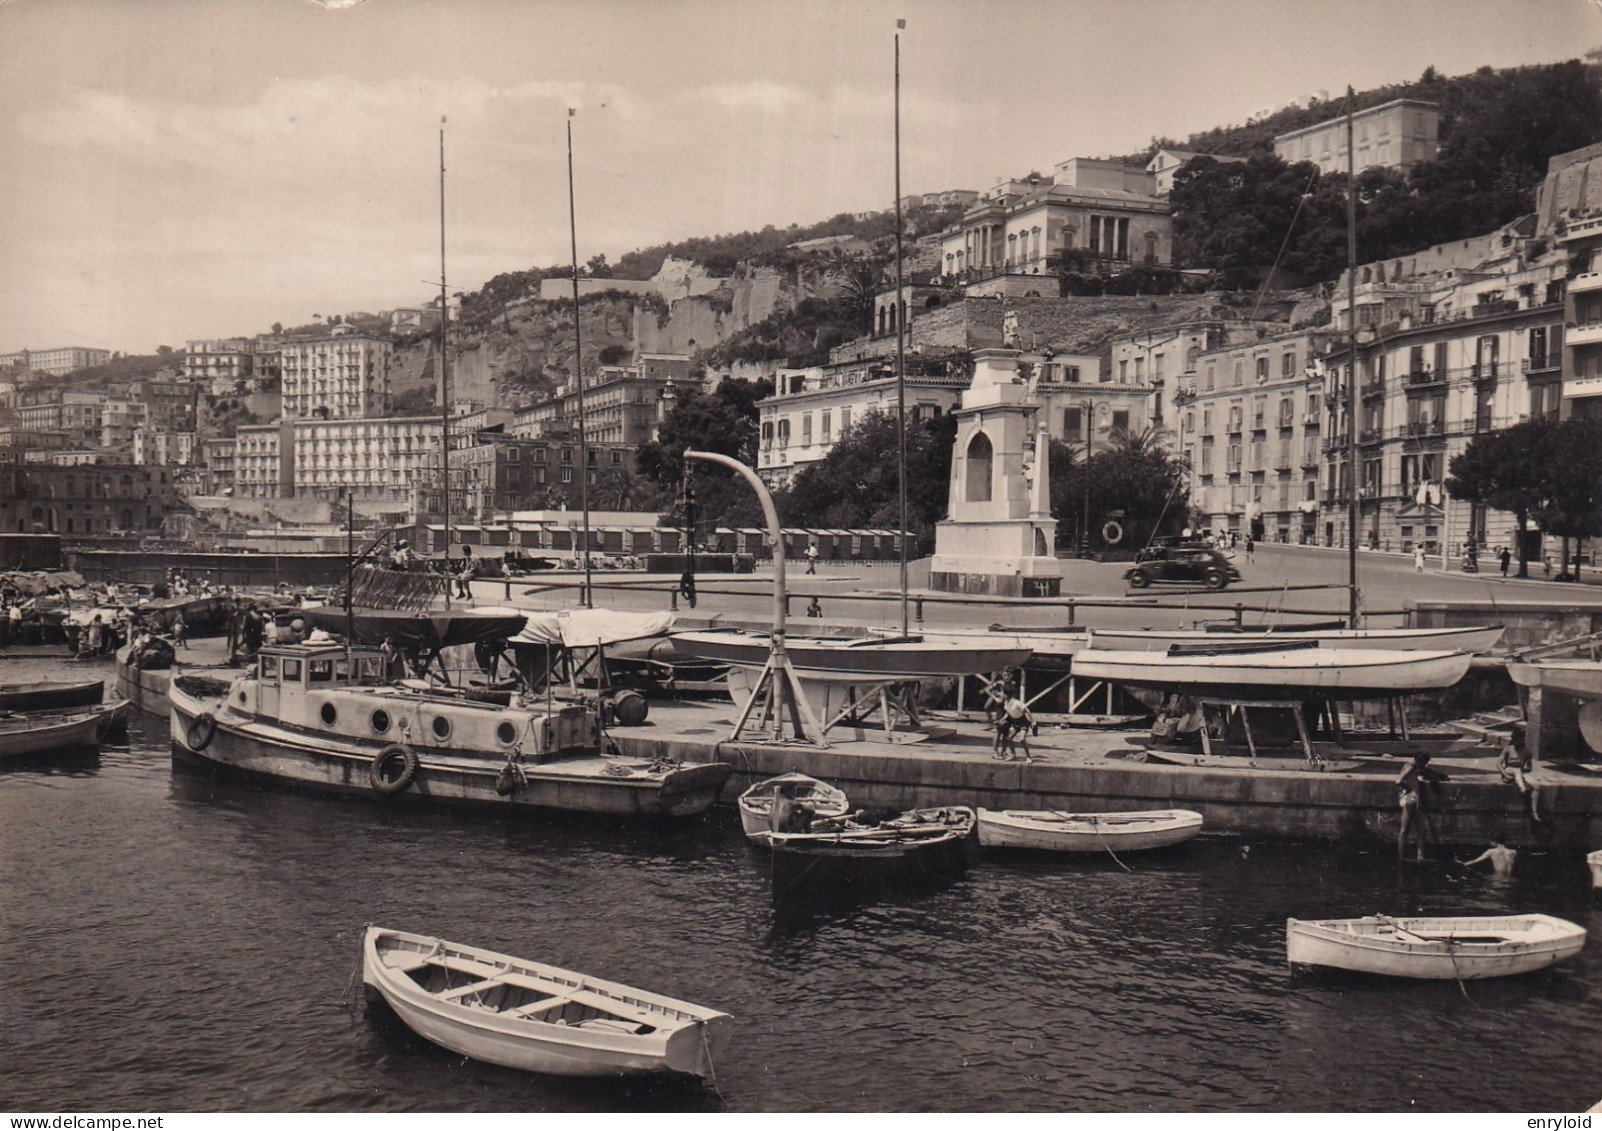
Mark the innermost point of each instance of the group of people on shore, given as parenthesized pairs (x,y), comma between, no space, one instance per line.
(1417,793)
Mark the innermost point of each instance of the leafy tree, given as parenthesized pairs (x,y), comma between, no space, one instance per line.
(598,267)
(856,486)
(723,421)
(1509,470)
(1573,465)
(1134,474)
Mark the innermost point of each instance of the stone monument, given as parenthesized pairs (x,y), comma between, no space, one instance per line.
(999,537)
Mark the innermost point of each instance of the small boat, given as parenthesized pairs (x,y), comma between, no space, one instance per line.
(39,733)
(1581,678)
(1594,859)
(1478,640)
(1300,670)
(756,803)
(864,660)
(1086,832)
(50,696)
(1474,946)
(843,855)
(526,1015)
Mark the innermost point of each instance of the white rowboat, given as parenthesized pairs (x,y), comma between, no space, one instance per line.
(756,803)
(1294,673)
(1476,946)
(40,733)
(872,660)
(1086,832)
(537,1018)
(1374,639)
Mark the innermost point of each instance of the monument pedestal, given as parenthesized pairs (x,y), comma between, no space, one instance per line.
(1000,539)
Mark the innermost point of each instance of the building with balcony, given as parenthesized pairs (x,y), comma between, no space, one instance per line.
(623,404)
(157,446)
(88,500)
(217,465)
(1248,424)
(78,415)
(1569,208)
(1396,135)
(344,376)
(376,458)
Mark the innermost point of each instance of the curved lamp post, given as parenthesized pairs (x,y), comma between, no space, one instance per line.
(785,695)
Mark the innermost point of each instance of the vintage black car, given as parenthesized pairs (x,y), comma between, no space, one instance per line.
(1192,565)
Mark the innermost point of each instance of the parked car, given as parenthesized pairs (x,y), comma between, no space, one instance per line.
(1193,565)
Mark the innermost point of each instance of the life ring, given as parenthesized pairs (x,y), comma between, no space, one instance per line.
(201,731)
(386,758)
(1112,533)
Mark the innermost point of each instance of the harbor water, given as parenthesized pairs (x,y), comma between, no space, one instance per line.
(178,943)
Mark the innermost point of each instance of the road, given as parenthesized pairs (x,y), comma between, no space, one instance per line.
(855,597)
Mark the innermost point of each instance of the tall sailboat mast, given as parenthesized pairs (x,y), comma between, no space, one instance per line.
(578,370)
(901,351)
(444,374)
(1352,401)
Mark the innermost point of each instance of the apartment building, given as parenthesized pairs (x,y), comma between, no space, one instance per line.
(85,499)
(157,446)
(344,376)
(1248,427)
(1396,135)
(623,404)
(377,458)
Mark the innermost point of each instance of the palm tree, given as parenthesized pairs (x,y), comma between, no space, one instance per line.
(1152,440)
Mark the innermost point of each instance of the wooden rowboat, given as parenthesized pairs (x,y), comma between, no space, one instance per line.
(40,733)
(847,857)
(1086,832)
(520,1014)
(1299,671)
(49,696)
(1375,639)
(1475,946)
(869,660)
(756,803)
(1594,859)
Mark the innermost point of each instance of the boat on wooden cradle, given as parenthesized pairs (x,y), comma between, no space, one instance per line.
(610,649)
(1053,831)
(844,855)
(1594,860)
(857,660)
(756,804)
(1290,672)
(537,1018)
(323,716)
(51,696)
(43,732)
(1475,640)
(1434,947)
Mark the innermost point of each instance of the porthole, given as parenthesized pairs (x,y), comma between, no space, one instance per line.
(379,720)
(441,726)
(507,733)
(329,714)
(241,696)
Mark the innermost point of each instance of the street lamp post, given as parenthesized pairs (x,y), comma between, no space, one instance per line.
(1089,411)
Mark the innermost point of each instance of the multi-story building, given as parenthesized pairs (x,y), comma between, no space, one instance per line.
(376,458)
(58,410)
(217,461)
(92,499)
(1165,164)
(1442,357)
(153,445)
(1020,228)
(623,404)
(1248,425)
(1570,208)
(224,362)
(344,376)
(57,362)
(120,417)
(1396,135)
(169,404)
(505,474)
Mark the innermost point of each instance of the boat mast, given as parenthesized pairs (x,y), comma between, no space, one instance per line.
(1352,401)
(578,370)
(901,350)
(444,375)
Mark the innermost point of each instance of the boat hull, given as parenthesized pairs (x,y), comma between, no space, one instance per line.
(1582,678)
(145,689)
(1594,859)
(46,733)
(686,1040)
(591,784)
(51,696)
(1296,674)
(1477,640)
(865,661)
(1087,832)
(756,804)
(852,864)
(1439,949)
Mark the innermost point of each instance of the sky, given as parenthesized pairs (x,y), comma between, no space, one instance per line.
(188,169)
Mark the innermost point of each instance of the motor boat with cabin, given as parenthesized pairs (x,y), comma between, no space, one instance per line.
(323,714)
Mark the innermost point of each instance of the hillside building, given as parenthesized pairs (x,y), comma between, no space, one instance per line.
(1396,135)
(56,362)
(344,376)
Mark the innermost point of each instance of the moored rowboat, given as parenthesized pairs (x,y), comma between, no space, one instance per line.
(843,856)
(1297,672)
(1476,946)
(756,803)
(1086,832)
(49,696)
(1375,639)
(39,733)
(872,660)
(538,1018)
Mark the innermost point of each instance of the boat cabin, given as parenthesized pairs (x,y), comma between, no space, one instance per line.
(340,691)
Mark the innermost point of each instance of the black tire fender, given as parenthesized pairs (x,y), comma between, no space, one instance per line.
(385,760)
(201,731)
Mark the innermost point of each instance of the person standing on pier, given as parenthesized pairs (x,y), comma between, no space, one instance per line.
(1506,558)
(180,631)
(812,557)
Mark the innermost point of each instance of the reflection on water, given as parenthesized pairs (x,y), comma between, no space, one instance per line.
(191,944)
